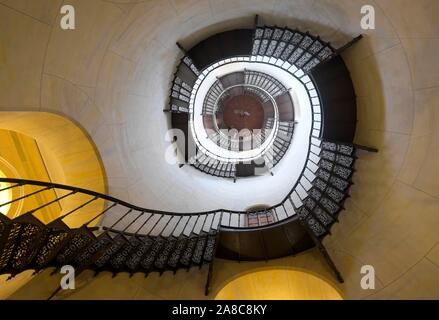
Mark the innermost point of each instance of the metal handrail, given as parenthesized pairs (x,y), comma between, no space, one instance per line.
(248,59)
(115,201)
(217,216)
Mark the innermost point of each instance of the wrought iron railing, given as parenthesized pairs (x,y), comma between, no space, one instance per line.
(297,53)
(335,158)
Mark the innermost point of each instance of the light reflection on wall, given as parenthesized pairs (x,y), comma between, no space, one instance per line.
(5,196)
(278,284)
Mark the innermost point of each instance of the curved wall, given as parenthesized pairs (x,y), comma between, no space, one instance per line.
(112,75)
(67,155)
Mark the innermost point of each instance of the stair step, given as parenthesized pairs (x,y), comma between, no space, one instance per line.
(117,262)
(186,257)
(133,262)
(148,261)
(87,256)
(117,244)
(80,239)
(58,236)
(9,233)
(175,256)
(199,250)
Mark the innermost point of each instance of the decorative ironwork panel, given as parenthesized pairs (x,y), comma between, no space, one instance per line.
(323,216)
(176,254)
(118,243)
(345,160)
(328,155)
(271,48)
(259,33)
(199,250)
(280,48)
(286,37)
(329,146)
(325,54)
(303,60)
(118,261)
(277,34)
(85,257)
(78,242)
(320,184)
(343,172)
(309,203)
(263,47)
(9,243)
(323,174)
(327,165)
(297,38)
(316,47)
(286,54)
(296,54)
(340,184)
(315,194)
(149,259)
(134,260)
(315,226)
(54,243)
(187,254)
(335,195)
(329,206)
(256,45)
(210,247)
(31,238)
(345,149)
(161,261)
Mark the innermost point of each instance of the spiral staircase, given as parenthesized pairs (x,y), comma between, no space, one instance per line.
(156,241)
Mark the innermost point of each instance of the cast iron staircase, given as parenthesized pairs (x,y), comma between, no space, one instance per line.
(144,240)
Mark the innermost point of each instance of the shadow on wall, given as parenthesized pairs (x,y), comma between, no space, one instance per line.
(197,36)
(232,280)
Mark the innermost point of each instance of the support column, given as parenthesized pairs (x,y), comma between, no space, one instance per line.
(181,48)
(210,272)
(349,44)
(366,148)
(338,52)
(324,252)
(209,279)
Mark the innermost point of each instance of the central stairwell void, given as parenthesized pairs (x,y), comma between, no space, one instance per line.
(276,70)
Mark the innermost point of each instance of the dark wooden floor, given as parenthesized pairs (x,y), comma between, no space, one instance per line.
(243,112)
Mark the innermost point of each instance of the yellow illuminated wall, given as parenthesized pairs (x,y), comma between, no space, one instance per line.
(5,196)
(48,147)
(21,158)
(278,284)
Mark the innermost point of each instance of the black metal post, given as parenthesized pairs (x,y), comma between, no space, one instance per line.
(366,148)
(210,272)
(181,48)
(323,251)
(349,44)
(256,20)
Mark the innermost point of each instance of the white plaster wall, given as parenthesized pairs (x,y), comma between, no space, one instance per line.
(121,58)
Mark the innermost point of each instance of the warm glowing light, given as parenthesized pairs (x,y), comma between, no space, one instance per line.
(278,284)
(5,196)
